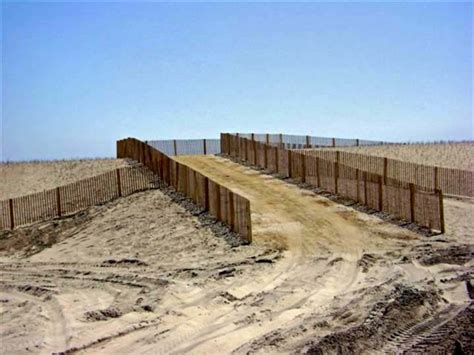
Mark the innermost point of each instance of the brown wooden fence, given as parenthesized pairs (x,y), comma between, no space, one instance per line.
(403,200)
(450,181)
(292,141)
(71,198)
(221,202)
(174,147)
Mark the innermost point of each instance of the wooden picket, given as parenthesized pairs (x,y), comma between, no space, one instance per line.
(71,198)
(329,170)
(224,204)
(450,181)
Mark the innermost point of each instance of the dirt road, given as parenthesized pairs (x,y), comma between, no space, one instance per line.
(318,277)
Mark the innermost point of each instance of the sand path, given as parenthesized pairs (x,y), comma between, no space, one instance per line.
(333,265)
(307,227)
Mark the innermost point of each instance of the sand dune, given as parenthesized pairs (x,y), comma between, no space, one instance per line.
(144,275)
(20,179)
(449,155)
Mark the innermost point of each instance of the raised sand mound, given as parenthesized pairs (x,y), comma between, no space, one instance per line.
(448,155)
(24,178)
(141,274)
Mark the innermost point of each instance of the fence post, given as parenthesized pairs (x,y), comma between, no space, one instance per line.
(254,151)
(195,186)
(185,180)
(205,146)
(249,221)
(237,150)
(248,147)
(119,150)
(380,194)
(206,193)
(277,158)
(267,138)
(280,139)
(265,156)
(412,202)
(160,166)
(58,201)
(436,181)
(303,168)
(176,180)
(252,136)
(358,185)
(12,219)
(334,142)
(441,211)
(357,142)
(170,166)
(289,163)
(231,211)
(318,182)
(365,189)
(385,169)
(308,142)
(218,200)
(336,173)
(174,147)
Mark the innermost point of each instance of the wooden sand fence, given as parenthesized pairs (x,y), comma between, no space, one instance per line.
(175,147)
(224,204)
(292,141)
(403,200)
(72,198)
(450,181)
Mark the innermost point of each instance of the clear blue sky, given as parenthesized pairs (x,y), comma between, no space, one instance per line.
(78,76)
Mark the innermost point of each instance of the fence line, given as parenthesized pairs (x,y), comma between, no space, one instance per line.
(290,141)
(400,199)
(450,181)
(74,197)
(221,202)
(173,147)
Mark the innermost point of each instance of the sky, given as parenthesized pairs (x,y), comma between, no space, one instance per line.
(78,76)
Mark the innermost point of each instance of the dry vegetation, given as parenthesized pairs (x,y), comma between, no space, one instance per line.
(449,155)
(143,274)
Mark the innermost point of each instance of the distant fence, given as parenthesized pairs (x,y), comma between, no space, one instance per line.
(221,202)
(403,200)
(173,147)
(74,197)
(290,141)
(450,181)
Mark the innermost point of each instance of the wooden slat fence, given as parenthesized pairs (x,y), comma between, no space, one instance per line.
(224,204)
(290,141)
(173,147)
(450,181)
(403,200)
(74,197)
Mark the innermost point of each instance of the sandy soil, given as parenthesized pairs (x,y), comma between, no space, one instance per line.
(20,179)
(142,275)
(449,155)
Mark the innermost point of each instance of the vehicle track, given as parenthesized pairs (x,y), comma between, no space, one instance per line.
(327,256)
